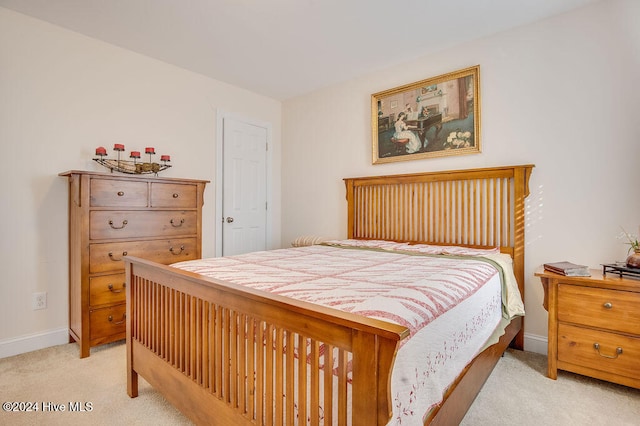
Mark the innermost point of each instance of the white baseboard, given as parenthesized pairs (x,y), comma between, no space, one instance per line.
(535,343)
(33,342)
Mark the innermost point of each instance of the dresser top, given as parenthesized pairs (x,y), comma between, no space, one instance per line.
(147,177)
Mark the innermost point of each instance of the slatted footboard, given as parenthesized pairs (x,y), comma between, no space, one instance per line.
(229,355)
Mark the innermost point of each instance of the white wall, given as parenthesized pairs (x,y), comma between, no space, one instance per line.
(561,94)
(62,95)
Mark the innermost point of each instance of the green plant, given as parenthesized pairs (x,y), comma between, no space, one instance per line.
(632,240)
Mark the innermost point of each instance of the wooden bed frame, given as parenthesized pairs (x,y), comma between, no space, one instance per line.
(197,340)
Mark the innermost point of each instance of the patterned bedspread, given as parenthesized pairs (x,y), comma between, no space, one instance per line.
(450,304)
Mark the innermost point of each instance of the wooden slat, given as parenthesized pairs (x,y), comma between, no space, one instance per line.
(259,388)
(328,384)
(342,388)
(233,359)
(279,376)
(290,374)
(251,368)
(302,378)
(268,376)
(217,389)
(314,384)
(242,363)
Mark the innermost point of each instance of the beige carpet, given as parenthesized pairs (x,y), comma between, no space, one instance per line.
(517,393)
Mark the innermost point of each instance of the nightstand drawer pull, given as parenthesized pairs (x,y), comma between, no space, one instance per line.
(608,305)
(120,193)
(124,223)
(618,351)
(124,318)
(124,285)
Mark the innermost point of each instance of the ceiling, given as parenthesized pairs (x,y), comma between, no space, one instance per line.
(286,48)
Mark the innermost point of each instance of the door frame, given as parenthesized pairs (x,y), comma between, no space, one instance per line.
(219,183)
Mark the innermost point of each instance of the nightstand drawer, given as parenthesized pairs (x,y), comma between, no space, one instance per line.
(597,307)
(615,353)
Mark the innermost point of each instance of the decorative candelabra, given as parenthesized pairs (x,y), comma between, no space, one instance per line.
(133,166)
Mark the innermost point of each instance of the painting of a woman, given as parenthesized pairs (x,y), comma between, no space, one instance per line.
(418,120)
(403,132)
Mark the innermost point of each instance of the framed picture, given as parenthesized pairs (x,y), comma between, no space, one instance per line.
(435,117)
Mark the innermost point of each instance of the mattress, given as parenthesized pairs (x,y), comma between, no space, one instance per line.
(451,301)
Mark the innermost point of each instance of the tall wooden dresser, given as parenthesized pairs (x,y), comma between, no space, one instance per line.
(115,215)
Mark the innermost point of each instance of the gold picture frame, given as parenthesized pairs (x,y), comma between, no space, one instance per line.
(436,117)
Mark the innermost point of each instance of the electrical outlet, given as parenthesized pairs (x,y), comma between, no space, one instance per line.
(40,300)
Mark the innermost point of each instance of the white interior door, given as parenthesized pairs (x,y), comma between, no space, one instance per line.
(244,198)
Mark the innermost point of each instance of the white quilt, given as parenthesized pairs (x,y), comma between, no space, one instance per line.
(450,304)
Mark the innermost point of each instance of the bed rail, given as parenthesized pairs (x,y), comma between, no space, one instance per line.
(237,347)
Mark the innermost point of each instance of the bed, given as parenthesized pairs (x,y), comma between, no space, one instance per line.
(225,353)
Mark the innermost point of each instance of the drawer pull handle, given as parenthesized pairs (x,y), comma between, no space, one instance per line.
(618,351)
(175,195)
(178,225)
(124,253)
(608,305)
(117,291)
(124,223)
(173,252)
(120,193)
(124,318)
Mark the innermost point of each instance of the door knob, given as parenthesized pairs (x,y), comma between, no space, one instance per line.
(229,219)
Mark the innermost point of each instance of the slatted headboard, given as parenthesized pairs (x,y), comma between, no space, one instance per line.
(475,207)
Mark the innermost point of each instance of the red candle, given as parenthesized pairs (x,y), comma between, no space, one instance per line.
(149,150)
(118,147)
(101,150)
(135,154)
(165,158)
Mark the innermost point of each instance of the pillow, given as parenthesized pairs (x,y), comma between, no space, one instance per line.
(307,240)
(421,248)
(453,250)
(468,251)
(415,248)
(379,244)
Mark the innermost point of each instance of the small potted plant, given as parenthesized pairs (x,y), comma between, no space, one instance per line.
(633,259)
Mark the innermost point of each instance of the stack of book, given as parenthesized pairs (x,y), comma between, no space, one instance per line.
(568,269)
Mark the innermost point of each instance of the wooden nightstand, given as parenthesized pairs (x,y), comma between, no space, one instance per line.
(594,326)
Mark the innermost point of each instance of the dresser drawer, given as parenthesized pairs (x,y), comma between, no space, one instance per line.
(118,193)
(105,224)
(107,290)
(107,322)
(174,195)
(576,345)
(602,308)
(106,257)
